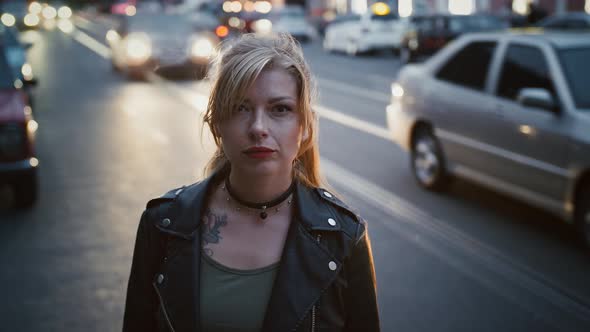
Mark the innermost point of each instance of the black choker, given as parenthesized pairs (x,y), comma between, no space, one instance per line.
(260,206)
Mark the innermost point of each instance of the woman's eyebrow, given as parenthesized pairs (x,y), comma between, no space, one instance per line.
(280,98)
(273,99)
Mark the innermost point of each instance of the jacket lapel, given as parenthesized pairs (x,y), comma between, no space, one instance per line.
(180,289)
(307,266)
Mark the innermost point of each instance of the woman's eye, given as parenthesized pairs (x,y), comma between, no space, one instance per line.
(242,108)
(282,108)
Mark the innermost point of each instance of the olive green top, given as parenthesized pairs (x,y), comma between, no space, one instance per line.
(234,300)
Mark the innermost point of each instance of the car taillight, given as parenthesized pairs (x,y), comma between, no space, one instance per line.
(14,142)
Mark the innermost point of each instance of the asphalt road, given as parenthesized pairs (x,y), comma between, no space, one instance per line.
(466,260)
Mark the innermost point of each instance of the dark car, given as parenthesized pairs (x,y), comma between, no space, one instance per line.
(16,56)
(433,32)
(567,21)
(18,165)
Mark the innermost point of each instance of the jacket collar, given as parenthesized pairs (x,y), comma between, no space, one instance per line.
(313,212)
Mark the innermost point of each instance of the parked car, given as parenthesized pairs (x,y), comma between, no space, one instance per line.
(16,56)
(566,21)
(291,19)
(510,111)
(162,42)
(365,33)
(433,32)
(17,9)
(18,165)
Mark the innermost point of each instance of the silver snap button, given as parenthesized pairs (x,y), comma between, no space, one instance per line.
(332,222)
(166,222)
(160,278)
(327,194)
(178,191)
(332,266)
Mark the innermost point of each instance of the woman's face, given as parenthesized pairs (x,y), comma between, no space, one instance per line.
(263,135)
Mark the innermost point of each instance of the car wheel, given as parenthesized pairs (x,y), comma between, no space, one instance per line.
(582,217)
(352,48)
(114,66)
(427,160)
(405,55)
(25,192)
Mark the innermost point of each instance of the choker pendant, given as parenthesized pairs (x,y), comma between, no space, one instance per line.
(260,206)
(263,213)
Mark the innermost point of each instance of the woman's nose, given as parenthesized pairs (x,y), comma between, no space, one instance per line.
(259,124)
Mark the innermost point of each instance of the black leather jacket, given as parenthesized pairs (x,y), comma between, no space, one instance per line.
(326,279)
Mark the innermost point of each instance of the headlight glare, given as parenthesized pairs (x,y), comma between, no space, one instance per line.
(31,20)
(397,91)
(202,48)
(138,48)
(8,19)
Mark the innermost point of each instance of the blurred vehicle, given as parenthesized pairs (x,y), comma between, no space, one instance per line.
(510,111)
(291,19)
(433,32)
(123,7)
(20,14)
(162,42)
(566,21)
(18,165)
(15,53)
(361,34)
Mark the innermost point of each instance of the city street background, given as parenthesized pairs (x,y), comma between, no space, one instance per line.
(468,260)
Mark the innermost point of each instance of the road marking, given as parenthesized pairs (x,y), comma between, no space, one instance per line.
(92,44)
(353,90)
(353,122)
(516,273)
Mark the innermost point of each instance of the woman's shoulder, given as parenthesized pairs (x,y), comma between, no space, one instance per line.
(326,205)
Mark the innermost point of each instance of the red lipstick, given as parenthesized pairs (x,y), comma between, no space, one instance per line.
(259,152)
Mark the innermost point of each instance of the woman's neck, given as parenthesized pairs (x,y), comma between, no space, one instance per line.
(259,189)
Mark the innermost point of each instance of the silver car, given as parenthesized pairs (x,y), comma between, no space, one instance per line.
(160,42)
(510,111)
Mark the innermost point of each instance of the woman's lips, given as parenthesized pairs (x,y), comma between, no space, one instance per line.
(259,152)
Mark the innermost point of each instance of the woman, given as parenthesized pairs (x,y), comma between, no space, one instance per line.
(257,245)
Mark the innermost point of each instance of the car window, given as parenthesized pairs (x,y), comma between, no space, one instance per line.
(389,17)
(6,77)
(161,24)
(469,67)
(523,67)
(577,73)
(555,23)
(346,18)
(578,24)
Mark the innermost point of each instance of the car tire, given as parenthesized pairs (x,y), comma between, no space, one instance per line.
(114,66)
(25,192)
(582,217)
(405,55)
(427,161)
(352,48)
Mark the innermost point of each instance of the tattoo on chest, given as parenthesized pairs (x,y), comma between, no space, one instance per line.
(212,223)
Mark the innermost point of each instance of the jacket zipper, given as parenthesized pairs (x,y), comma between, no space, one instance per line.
(313,308)
(163,308)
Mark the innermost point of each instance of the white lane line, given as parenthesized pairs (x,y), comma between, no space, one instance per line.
(516,273)
(354,90)
(353,122)
(92,44)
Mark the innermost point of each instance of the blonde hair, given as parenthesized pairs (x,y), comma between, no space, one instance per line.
(234,71)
